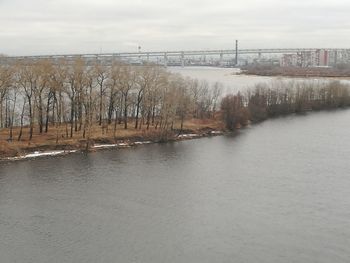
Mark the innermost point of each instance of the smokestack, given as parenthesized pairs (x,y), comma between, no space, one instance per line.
(236,59)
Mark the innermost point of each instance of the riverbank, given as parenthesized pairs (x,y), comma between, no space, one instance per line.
(296,72)
(46,144)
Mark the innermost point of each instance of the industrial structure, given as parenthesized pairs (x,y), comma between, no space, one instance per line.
(301,57)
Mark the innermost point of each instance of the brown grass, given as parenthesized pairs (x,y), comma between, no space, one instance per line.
(48,141)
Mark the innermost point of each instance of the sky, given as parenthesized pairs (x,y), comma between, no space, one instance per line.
(34,27)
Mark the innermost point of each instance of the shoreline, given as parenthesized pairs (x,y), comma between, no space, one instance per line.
(126,143)
(295,75)
(42,151)
(99,145)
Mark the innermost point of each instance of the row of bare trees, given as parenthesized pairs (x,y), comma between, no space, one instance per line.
(38,95)
(72,98)
(282,98)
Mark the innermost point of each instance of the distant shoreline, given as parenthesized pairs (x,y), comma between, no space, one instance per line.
(294,72)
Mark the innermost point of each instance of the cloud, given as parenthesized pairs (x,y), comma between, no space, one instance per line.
(76,26)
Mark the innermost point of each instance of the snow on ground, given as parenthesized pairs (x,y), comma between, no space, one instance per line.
(105,145)
(140,143)
(190,135)
(121,144)
(216,132)
(98,146)
(41,154)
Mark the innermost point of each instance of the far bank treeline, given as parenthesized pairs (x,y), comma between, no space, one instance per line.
(74,97)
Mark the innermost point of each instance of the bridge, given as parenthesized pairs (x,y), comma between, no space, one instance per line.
(162,57)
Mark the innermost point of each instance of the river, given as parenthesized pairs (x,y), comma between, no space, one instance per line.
(275,192)
(232,81)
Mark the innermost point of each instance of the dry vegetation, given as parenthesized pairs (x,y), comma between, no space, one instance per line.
(282,98)
(49,140)
(47,105)
(62,105)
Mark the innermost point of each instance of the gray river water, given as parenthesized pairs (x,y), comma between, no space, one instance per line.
(275,192)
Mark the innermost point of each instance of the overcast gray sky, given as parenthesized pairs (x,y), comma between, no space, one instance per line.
(83,26)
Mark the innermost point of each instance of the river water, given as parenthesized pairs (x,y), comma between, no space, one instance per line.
(231,81)
(275,192)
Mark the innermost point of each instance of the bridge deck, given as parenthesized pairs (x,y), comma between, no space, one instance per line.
(177,53)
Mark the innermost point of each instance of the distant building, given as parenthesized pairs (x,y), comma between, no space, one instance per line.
(344,56)
(318,58)
(323,56)
(304,59)
(289,60)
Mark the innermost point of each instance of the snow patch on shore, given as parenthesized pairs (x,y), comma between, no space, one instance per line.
(105,146)
(121,144)
(190,135)
(140,143)
(41,154)
(216,132)
(100,146)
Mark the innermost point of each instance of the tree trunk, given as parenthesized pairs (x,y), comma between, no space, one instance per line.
(47,114)
(125,111)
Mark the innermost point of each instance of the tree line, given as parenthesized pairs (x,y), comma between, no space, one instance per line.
(73,97)
(281,98)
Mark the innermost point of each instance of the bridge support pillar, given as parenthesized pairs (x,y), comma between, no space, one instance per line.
(236,55)
(165,59)
(221,62)
(182,59)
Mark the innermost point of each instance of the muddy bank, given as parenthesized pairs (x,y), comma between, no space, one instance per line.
(102,143)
